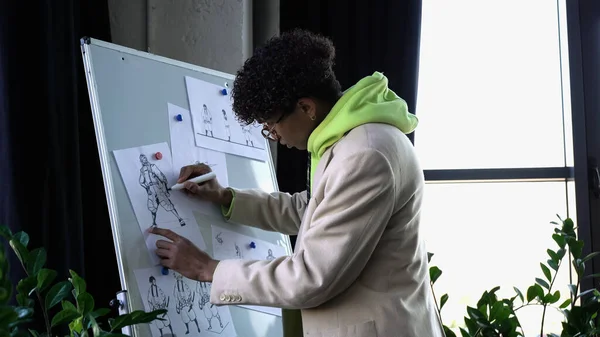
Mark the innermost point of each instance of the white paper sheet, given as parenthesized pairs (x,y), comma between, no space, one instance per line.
(231,245)
(184,149)
(188,305)
(147,180)
(215,126)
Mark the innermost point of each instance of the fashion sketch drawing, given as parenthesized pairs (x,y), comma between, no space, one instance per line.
(155,182)
(226,122)
(158,301)
(185,303)
(207,119)
(210,310)
(270,255)
(247,135)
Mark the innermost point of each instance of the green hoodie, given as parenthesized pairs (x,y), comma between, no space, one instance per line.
(368,101)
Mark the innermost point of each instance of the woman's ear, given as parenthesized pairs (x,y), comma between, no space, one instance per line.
(308,106)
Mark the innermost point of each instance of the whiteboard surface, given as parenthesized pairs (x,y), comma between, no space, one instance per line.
(129,92)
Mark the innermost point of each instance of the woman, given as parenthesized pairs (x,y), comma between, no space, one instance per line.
(360,266)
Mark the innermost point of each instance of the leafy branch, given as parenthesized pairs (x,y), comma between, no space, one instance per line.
(497,317)
(77,307)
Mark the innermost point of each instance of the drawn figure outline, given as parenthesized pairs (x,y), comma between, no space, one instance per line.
(227,129)
(207,119)
(210,310)
(157,300)
(270,255)
(154,181)
(185,302)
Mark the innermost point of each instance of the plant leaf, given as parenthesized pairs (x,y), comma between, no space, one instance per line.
(542,283)
(134,317)
(553,255)
(434,273)
(68,305)
(553,264)
(22,237)
(79,284)
(546,272)
(559,239)
(443,300)
(20,250)
(36,260)
(519,293)
(583,293)
(85,303)
(57,293)
(590,256)
(100,312)
(95,326)
(64,316)
(565,304)
(6,232)
(593,275)
(573,289)
(576,248)
(44,278)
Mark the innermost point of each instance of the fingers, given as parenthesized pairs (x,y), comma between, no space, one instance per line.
(169,234)
(191,171)
(193,187)
(164,244)
(163,253)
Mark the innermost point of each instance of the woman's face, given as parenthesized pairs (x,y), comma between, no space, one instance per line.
(293,130)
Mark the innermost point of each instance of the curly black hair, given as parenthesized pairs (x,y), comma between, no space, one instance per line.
(296,64)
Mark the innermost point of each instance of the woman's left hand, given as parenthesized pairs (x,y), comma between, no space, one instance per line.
(182,256)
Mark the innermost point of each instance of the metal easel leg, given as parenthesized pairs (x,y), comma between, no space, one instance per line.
(121,303)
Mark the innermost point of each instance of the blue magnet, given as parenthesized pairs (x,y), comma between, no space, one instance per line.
(224,91)
(252,245)
(179,117)
(165,271)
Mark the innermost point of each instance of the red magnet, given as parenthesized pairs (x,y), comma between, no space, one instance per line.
(158,155)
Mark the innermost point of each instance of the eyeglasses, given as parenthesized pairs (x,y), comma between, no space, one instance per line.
(269,133)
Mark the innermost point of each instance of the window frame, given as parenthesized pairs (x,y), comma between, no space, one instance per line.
(583,53)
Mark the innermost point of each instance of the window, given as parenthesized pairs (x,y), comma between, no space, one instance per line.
(495,140)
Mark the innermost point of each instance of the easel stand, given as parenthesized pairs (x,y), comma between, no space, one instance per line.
(121,303)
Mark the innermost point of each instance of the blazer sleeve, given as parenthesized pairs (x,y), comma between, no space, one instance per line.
(277,211)
(343,232)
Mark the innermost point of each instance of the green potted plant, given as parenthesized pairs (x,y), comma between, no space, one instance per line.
(64,304)
(494,317)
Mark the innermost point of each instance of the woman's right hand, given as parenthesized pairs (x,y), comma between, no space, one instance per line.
(209,190)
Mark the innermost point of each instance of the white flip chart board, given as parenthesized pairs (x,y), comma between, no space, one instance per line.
(131,94)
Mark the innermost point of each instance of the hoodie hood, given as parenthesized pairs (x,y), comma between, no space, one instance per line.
(368,101)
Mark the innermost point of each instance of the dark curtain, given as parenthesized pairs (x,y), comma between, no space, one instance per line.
(51,183)
(372,36)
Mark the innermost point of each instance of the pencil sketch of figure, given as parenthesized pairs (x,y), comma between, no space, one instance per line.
(207,119)
(270,255)
(155,183)
(210,310)
(247,135)
(157,301)
(185,302)
(227,130)
(219,238)
(238,251)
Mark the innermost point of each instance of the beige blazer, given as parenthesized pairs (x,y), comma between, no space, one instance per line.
(360,266)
